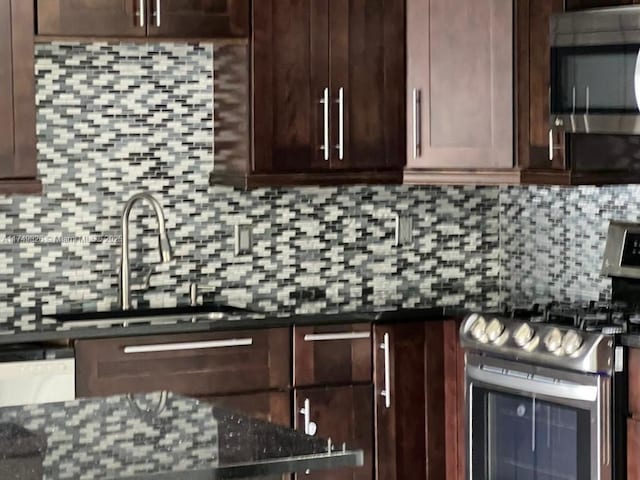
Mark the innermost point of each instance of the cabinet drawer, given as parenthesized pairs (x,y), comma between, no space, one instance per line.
(193,364)
(332,355)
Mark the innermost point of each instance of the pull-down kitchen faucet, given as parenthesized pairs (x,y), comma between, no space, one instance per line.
(165,246)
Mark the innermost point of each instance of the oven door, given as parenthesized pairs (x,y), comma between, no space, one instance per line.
(596,89)
(527,423)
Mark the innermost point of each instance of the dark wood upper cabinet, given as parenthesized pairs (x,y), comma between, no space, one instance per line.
(328,83)
(533,84)
(200,19)
(546,155)
(92,17)
(345,414)
(419,396)
(460,91)
(291,76)
(367,65)
(17,99)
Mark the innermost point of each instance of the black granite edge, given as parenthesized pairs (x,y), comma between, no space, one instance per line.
(299,464)
(382,315)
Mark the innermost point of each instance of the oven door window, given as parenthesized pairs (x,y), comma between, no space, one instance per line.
(521,438)
(595,80)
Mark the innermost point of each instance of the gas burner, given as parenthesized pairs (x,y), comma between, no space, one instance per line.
(592,316)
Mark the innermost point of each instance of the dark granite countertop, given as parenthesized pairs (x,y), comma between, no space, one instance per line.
(154,436)
(34,327)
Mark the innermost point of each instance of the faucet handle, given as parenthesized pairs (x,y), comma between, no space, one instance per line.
(193,292)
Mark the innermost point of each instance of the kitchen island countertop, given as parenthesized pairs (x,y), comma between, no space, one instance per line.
(154,436)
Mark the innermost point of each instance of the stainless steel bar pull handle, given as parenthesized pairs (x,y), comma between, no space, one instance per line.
(158,8)
(173,347)
(386,393)
(141,7)
(322,337)
(340,102)
(417,123)
(551,145)
(310,428)
(324,101)
(605,435)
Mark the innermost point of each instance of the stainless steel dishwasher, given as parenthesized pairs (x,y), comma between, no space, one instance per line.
(36,373)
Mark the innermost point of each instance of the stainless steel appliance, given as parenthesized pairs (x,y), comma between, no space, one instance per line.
(31,374)
(546,387)
(595,71)
(539,400)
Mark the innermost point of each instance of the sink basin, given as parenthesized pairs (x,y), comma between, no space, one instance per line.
(207,312)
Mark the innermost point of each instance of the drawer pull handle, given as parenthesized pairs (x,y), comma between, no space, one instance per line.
(173,347)
(386,393)
(323,337)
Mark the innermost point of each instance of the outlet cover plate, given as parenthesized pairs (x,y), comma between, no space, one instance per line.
(243,240)
(404,230)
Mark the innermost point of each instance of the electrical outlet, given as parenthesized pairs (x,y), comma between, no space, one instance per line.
(404,230)
(243,239)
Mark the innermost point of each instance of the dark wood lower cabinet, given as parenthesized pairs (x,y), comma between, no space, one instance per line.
(633,447)
(346,415)
(202,364)
(419,418)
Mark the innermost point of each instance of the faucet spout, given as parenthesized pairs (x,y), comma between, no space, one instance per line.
(164,244)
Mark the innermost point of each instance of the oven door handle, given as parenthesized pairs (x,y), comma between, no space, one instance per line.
(559,390)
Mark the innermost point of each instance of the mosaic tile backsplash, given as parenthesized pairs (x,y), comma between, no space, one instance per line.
(116,119)
(552,240)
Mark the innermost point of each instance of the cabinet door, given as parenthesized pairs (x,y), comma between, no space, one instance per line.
(93,18)
(460,84)
(533,83)
(418,386)
(274,407)
(290,80)
(17,97)
(198,19)
(346,415)
(367,83)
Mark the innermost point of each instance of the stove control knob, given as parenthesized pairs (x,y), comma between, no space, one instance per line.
(553,340)
(494,330)
(571,342)
(523,335)
(479,329)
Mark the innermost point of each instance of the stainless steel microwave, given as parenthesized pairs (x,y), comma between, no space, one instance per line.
(595,71)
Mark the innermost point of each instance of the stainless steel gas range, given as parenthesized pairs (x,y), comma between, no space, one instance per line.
(546,387)
(539,401)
